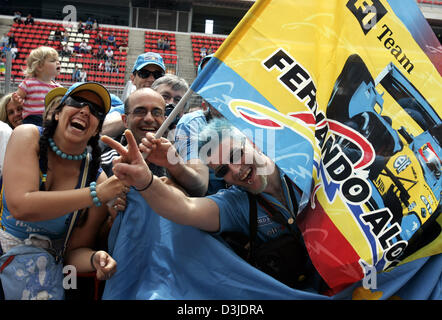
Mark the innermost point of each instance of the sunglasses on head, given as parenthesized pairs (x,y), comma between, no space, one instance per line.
(144,74)
(80,102)
(235,157)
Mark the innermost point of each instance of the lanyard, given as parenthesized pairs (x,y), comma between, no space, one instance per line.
(275,214)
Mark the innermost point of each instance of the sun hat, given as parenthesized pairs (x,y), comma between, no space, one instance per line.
(91,86)
(53,93)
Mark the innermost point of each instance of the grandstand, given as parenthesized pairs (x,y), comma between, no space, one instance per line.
(182,26)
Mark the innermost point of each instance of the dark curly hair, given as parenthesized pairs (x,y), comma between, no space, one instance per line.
(94,165)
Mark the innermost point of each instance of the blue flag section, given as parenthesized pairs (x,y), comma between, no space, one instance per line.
(160,260)
(347,94)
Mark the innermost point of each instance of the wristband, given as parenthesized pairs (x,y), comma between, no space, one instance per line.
(92,260)
(148,185)
(93,190)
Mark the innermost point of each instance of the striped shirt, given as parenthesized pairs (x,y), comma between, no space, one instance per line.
(36,91)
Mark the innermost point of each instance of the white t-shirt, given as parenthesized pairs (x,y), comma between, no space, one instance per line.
(5,133)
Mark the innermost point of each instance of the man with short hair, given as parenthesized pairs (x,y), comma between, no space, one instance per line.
(144,112)
(172,88)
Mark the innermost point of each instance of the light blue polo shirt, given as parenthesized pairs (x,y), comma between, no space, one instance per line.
(186,143)
(234,209)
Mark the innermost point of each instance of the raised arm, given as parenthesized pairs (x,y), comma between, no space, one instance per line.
(166,200)
(22,181)
(193,177)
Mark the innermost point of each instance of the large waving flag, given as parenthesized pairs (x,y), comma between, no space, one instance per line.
(345,97)
(158,259)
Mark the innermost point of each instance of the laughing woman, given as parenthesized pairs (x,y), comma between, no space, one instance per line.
(43,173)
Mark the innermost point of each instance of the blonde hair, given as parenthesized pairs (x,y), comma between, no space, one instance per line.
(37,58)
(3,112)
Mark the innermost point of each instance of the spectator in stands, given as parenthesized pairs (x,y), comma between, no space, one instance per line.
(166,43)
(160,43)
(100,66)
(11,113)
(83,47)
(124,46)
(110,41)
(95,25)
(148,67)
(100,52)
(42,66)
(76,74)
(4,51)
(100,38)
(172,88)
(42,205)
(115,67)
(210,51)
(29,20)
(109,53)
(108,66)
(89,23)
(65,36)
(57,34)
(80,27)
(146,108)
(12,40)
(17,17)
(76,48)
(4,41)
(203,52)
(14,51)
(83,75)
(66,50)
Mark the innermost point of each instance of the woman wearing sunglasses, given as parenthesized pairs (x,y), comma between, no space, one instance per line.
(43,173)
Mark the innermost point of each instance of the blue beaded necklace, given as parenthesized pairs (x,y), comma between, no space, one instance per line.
(63,155)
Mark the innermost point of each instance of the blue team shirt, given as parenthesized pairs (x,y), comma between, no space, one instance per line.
(234,210)
(186,143)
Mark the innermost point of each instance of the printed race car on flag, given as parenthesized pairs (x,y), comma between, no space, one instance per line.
(348,95)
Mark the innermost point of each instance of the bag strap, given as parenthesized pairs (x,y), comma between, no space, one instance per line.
(75,214)
(273,214)
(292,194)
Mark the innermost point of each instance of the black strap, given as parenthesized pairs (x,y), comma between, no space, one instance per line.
(273,213)
(292,194)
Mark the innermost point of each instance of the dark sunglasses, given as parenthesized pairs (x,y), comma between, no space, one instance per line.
(80,102)
(235,157)
(144,74)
